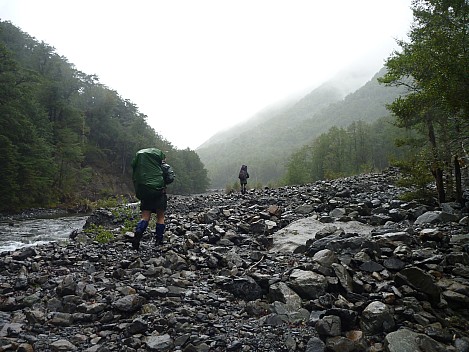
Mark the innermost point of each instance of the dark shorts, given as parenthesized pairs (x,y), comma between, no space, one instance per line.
(155,203)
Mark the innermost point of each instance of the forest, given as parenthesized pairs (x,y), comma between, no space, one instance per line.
(66,138)
(433,66)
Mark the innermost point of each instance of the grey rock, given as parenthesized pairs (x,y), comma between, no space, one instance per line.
(404,340)
(420,280)
(159,343)
(340,344)
(245,287)
(63,345)
(129,303)
(371,266)
(308,284)
(281,292)
(315,345)
(329,325)
(325,257)
(376,318)
(345,278)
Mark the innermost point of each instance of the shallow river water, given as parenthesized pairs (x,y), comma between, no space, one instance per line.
(16,234)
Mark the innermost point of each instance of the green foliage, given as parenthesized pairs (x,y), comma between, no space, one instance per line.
(64,136)
(122,213)
(111,202)
(233,188)
(128,225)
(257,185)
(415,176)
(359,148)
(26,156)
(99,233)
(9,187)
(125,215)
(191,175)
(434,67)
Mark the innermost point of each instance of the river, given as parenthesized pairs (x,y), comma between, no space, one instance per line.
(15,234)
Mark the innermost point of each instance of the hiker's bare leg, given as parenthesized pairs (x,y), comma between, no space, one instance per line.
(146,215)
(159,216)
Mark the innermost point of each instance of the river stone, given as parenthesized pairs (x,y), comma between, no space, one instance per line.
(430,217)
(325,257)
(340,344)
(329,325)
(421,281)
(405,340)
(308,284)
(129,303)
(245,287)
(61,319)
(456,299)
(296,234)
(371,266)
(159,343)
(67,286)
(376,318)
(63,345)
(344,277)
(315,345)
(338,213)
(393,263)
(281,292)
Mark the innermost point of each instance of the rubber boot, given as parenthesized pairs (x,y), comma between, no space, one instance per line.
(159,234)
(138,234)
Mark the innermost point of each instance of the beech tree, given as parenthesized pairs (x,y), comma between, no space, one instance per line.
(434,66)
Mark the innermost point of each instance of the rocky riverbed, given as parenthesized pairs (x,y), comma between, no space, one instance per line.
(339,266)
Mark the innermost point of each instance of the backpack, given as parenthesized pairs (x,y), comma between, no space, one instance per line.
(147,174)
(168,173)
(243,173)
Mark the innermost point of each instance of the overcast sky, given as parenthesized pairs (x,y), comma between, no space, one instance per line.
(196,67)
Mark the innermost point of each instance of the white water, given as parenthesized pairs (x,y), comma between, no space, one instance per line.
(15,234)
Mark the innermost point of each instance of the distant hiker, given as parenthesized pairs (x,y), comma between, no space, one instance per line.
(150,176)
(243,178)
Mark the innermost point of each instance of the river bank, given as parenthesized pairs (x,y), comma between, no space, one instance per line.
(341,265)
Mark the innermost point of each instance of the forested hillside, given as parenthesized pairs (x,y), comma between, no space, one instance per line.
(65,137)
(358,148)
(266,144)
(420,103)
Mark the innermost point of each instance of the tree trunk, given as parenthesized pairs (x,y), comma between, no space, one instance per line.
(440,186)
(435,168)
(457,175)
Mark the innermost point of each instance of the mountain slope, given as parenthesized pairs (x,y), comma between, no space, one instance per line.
(264,142)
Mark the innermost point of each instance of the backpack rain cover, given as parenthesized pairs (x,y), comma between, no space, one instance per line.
(147,173)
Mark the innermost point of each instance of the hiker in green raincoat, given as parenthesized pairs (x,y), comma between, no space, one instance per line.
(151,174)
